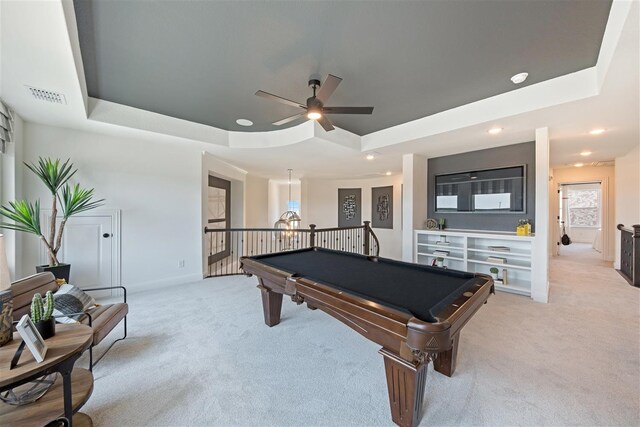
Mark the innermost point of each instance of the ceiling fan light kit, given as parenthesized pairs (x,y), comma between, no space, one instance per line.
(314,108)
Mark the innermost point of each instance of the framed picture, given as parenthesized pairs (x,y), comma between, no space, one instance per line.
(349,207)
(382,207)
(32,338)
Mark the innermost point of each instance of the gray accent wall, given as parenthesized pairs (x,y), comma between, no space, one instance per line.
(510,155)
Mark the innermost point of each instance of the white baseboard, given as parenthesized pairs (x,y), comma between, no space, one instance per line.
(153,285)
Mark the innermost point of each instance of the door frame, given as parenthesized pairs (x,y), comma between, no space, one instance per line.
(604,211)
(116,248)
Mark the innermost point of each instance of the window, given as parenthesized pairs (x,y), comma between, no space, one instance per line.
(584,207)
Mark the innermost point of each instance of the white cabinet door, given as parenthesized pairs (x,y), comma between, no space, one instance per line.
(88,246)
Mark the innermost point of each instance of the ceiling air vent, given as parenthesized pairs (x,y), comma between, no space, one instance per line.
(604,163)
(47,95)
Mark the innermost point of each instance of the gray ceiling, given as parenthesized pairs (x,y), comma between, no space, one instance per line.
(203,61)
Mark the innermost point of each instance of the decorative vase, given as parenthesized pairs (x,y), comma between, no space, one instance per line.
(494,276)
(60,271)
(6,316)
(47,328)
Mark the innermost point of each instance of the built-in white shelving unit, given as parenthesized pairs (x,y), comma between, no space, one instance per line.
(471,251)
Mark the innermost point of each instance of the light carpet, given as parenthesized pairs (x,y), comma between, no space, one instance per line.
(200,354)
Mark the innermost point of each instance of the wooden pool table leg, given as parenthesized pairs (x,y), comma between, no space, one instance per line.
(445,363)
(405,382)
(271,305)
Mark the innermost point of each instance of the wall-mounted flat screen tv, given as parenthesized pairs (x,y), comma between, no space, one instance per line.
(500,190)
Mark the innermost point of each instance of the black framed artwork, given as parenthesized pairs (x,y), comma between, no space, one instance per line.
(349,207)
(382,207)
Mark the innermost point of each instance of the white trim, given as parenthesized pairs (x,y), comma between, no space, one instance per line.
(154,285)
(540,249)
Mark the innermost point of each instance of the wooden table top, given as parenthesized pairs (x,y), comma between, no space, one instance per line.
(69,340)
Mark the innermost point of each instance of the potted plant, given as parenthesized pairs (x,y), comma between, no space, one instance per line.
(41,315)
(73,200)
(441,222)
(494,273)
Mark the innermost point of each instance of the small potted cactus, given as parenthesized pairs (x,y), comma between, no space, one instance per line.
(41,314)
(494,273)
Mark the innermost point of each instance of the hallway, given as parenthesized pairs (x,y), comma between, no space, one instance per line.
(582,253)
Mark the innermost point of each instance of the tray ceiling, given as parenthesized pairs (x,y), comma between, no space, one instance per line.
(203,61)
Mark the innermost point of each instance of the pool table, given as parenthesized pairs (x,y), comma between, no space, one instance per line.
(415,312)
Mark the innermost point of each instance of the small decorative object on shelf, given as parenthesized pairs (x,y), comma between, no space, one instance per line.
(443,241)
(440,253)
(504,276)
(500,248)
(494,273)
(496,260)
(441,223)
(431,224)
(41,315)
(440,262)
(524,228)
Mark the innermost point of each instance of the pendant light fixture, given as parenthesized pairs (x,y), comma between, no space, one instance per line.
(289,220)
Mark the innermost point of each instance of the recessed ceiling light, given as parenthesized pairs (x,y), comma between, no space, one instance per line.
(370,156)
(597,131)
(495,131)
(585,153)
(388,173)
(244,122)
(519,78)
(578,165)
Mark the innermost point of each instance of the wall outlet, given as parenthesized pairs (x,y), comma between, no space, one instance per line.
(181,263)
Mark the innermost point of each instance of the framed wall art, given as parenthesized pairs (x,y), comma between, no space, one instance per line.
(349,207)
(382,207)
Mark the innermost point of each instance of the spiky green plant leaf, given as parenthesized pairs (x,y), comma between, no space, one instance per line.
(75,199)
(53,174)
(26,216)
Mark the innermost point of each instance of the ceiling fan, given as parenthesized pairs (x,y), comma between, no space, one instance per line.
(315,109)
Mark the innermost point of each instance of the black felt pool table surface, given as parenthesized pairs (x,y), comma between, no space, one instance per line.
(420,290)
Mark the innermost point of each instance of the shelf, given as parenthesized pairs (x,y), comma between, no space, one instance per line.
(441,256)
(514,253)
(514,289)
(50,406)
(469,250)
(497,264)
(434,245)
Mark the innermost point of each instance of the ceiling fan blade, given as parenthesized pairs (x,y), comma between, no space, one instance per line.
(347,110)
(326,89)
(288,119)
(279,99)
(325,123)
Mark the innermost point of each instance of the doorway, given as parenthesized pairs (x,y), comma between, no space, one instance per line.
(580,222)
(218,217)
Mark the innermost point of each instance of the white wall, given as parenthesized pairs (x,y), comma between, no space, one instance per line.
(157,186)
(605,174)
(628,194)
(11,189)
(278,198)
(320,207)
(257,202)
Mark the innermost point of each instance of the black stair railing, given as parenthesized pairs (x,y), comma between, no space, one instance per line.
(227,245)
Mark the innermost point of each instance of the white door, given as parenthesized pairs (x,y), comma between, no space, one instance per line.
(88,245)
